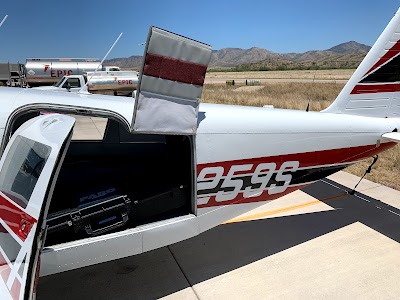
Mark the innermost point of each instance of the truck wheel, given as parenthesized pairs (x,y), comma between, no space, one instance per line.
(2,83)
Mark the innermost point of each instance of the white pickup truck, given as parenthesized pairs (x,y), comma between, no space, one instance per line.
(118,83)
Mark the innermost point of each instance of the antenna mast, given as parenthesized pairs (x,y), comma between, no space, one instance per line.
(4,19)
(84,89)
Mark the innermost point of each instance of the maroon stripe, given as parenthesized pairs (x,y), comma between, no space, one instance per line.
(375,88)
(174,69)
(306,159)
(388,56)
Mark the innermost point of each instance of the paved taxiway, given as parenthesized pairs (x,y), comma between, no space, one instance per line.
(316,243)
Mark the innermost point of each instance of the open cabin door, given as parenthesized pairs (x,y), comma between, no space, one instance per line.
(28,170)
(170,84)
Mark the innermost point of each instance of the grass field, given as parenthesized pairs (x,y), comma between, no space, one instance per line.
(296,96)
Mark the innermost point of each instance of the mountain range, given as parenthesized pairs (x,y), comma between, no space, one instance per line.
(346,55)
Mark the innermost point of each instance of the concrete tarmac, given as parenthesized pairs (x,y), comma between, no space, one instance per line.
(317,243)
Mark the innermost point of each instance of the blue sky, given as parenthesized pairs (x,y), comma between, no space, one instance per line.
(48,28)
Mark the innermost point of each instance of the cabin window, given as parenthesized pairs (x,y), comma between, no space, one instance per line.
(22,168)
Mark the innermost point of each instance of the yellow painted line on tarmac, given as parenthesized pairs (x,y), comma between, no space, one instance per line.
(272,212)
(282,210)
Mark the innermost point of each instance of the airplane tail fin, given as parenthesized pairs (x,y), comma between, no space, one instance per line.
(374,88)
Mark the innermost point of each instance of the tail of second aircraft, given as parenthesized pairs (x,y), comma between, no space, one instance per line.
(374,88)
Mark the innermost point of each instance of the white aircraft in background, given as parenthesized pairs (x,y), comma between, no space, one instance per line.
(168,168)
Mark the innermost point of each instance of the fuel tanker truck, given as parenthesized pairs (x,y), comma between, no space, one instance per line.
(47,71)
(118,83)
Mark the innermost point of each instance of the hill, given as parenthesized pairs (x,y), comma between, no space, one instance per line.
(132,62)
(350,47)
(346,55)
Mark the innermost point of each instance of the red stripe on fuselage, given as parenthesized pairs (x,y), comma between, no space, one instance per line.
(174,69)
(15,217)
(376,88)
(306,159)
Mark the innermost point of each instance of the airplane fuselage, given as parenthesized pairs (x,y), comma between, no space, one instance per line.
(276,151)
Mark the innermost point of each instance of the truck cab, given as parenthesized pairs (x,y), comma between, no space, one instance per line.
(70,83)
(12,75)
(118,83)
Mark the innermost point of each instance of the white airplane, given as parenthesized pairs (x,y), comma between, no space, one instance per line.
(168,168)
